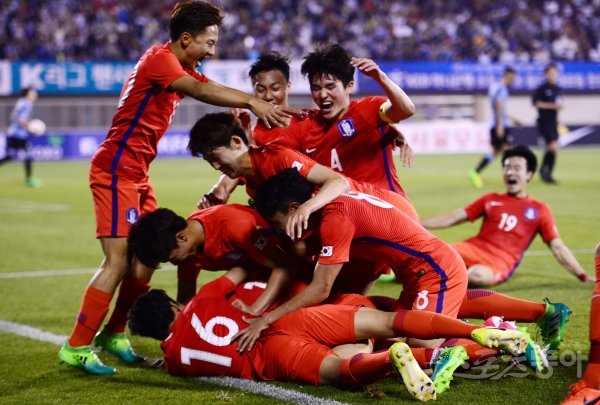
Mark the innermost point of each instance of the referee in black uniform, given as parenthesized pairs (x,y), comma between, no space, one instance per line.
(548,100)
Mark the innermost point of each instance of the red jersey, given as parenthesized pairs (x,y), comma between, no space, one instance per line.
(357,145)
(145,111)
(509,225)
(263,135)
(231,239)
(357,225)
(270,159)
(200,340)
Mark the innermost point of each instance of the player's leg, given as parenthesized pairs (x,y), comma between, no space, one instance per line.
(481,276)
(474,175)
(135,283)
(28,163)
(10,151)
(550,134)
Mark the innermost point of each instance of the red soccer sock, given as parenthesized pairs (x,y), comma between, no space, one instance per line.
(94,306)
(482,304)
(429,325)
(423,356)
(592,372)
(131,288)
(475,351)
(364,369)
(383,303)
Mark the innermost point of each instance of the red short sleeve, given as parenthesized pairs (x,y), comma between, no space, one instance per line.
(476,208)
(276,159)
(547,227)
(369,109)
(336,232)
(217,287)
(163,68)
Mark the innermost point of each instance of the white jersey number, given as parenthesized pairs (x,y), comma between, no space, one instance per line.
(508,222)
(370,199)
(206,333)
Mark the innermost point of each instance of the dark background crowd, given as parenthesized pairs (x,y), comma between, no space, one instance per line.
(505,31)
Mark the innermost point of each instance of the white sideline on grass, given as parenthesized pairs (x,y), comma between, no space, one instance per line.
(259,388)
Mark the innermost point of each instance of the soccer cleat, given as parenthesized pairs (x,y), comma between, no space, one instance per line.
(547,178)
(118,345)
(475,179)
(512,341)
(416,381)
(581,394)
(448,360)
(83,358)
(34,182)
(535,357)
(387,278)
(553,323)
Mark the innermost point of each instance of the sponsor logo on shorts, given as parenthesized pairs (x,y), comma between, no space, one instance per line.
(530,213)
(422,300)
(233,256)
(132,215)
(326,251)
(346,127)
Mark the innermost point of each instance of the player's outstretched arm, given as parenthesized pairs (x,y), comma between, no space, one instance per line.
(219,193)
(446,220)
(331,185)
(214,93)
(565,257)
(400,106)
(316,292)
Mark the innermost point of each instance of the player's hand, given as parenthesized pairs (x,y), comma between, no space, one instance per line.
(244,117)
(241,305)
(591,279)
(209,200)
(272,115)
(367,67)
(297,222)
(399,141)
(248,337)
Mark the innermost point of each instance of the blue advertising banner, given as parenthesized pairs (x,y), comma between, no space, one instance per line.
(107,78)
(430,77)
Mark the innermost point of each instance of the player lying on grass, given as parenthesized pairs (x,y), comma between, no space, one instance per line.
(587,389)
(220,139)
(119,171)
(510,222)
(351,137)
(199,339)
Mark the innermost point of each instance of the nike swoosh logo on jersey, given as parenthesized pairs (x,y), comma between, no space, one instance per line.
(310,150)
(495,203)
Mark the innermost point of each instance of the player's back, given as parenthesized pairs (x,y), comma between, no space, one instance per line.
(200,342)
(382,232)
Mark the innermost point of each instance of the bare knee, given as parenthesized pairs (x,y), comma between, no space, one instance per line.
(597,252)
(480,276)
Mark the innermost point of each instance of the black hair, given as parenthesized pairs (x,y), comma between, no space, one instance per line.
(270,61)
(550,66)
(214,130)
(25,91)
(509,69)
(276,194)
(328,60)
(153,237)
(151,315)
(193,17)
(524,152)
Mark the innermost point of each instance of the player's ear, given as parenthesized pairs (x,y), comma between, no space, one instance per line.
(529,176)
(181,237)
(186,39)
(293,207)
(350,86)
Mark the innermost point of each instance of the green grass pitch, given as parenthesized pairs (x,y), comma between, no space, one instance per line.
(52,228)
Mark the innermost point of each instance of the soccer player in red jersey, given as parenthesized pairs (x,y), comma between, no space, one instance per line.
(199,339)
(220,139)
(587,389)
(118,171)
(510,222)
(358,225)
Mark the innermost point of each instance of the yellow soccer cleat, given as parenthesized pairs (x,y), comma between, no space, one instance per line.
(416,381)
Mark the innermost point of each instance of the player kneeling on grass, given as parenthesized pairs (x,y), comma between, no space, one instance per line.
(200,339)
(510,222)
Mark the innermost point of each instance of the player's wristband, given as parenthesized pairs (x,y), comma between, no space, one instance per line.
(583,277)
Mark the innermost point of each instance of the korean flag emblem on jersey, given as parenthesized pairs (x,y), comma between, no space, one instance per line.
(530,213)
(297,165)
(132,215)
(326,251)
(346,127)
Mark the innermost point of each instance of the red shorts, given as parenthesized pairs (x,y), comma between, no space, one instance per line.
(119,202)
(439,287)
(297,344)
(474,255)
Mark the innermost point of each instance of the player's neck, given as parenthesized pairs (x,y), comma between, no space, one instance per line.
(519,194)
(179,53)
(197,232)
